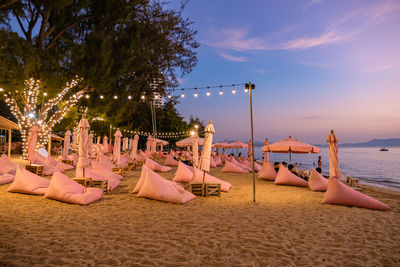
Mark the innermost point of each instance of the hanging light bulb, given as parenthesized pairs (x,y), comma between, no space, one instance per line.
(195,92)
(233,89)
(115,97)
(208,93)
(1,89)
(87,96)
(183,93)
(143,97)
(246,90)
(169,96)
(129,97)
(45,94)
(220,92)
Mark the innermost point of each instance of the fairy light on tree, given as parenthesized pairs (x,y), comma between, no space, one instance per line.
(24,106)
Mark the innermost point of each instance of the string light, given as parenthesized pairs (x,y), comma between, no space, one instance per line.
(115,97)
(220,92)
(208,93)
(129,97)
(1,89)
(45,94)
(195,93)
(246,90)
(182,94)
(101,96)
(143,97)
(87,96)
(233,89)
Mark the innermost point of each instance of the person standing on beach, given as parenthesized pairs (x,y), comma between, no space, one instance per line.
(320,162)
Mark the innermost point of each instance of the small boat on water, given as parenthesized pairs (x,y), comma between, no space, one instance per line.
(384,149)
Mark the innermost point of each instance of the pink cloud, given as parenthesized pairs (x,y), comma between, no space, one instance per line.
(232,58)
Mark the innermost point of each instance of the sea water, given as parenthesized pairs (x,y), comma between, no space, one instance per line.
(368,164)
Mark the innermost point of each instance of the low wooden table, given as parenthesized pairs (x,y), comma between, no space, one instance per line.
(119,171)
(131,166)
(68,161)
(35,168)
(205,190)
(89,182)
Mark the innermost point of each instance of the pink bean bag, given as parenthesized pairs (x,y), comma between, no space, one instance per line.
(28,183)
(7,166)
(267,172)
(198,178)
(183,174)
(141,180)
(234,161)
(212,163)
(107,171)
(156,187)
(6,178)
(154,166)
(340,194)
(65,189)
(230,167)
(60,165)
(47,168)
(317,182)
(106,162)
(170,161)
(223,157)
(218,161)
(285,177)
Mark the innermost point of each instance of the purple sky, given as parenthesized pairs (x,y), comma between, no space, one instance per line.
(317,65)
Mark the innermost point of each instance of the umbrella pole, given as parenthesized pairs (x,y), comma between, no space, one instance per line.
(203,185)
(252,139)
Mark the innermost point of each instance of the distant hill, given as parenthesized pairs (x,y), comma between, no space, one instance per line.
(373,143)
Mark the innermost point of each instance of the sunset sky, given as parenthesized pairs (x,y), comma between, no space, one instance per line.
(317,65)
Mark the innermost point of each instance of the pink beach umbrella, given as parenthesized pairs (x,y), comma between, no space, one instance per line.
(117,146)
(148,143)
(266,154)
(75,139)
(195,146)
(204,162)
(134,146)
(187,142)
(67,140)
(290,146)
(130,144)
(105,143)
(334,170)
(153,145)
(83,147)
(90,144)
(32,141)
(125,144)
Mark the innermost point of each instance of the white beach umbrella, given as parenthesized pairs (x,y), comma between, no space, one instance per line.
(83,147)
(32,141)
(130,143)
(125,144)
(75,139)
(153,145)
(117,146)
(266,154)
(134,146)
(195,146)
(90,144)
(204,162)
(148,143)
(105,144)
(67,140)
(334,170)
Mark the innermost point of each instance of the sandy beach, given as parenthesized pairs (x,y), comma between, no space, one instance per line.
(288,226)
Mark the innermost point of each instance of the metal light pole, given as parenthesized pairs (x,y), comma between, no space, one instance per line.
(249,86)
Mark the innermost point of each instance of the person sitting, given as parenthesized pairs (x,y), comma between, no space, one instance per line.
(284,164)
(276,166)
(291,169)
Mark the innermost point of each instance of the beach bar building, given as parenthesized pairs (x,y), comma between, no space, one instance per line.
(7,125)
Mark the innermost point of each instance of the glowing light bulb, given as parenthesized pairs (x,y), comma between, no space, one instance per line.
(246,90)
(115,97)
(45,94)
(87,96)
(220,92)
(196,94)
(208,93)
(169,96)
(101,96)
(233,91)
(142,97)
(183,94)
(196,126)
(31,115)
(129,97)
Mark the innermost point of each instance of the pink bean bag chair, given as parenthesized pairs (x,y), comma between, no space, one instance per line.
(223,157)
(107,171)
(340,194)
(106,162)
(198,178)
(28,183)
(60,165)
(6,178)
(65,189)
(101,175)
(218,161)
(212,163)
(47,168)
(317,182)
(7,166)
(183,174)
(234,161)
(267,172)
(154,166)
(156,187)
(172,153)
(230,167)
(285,177)
(170,161)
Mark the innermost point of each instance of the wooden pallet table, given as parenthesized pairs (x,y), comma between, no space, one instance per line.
(35,168)
(205,190)
(85,181)
(68,161)
(131,166)
(102,184)
(119,171)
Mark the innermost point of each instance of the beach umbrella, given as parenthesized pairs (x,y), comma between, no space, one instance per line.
(187,142)
(130,144)
(90,144)
(148,143)
(32,140)
(266,154)
(117,146)
(334,170)
(125,143)
(204,162)
(83,147)
(75,139)
(134,146)
(195,148)
(67,140)
(105,144)
(291,145)
(153,145)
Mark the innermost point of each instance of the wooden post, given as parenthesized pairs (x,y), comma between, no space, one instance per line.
(49,145)
(250,87)
(9,143)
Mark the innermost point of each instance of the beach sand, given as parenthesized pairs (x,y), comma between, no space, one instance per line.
(288,226)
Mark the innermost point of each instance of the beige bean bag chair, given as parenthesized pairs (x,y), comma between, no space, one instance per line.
(28,183)
(6,178)
(317,182)
(233,168)
(183,174)
(170,161)
(285,177)
(267,172)
(154,166)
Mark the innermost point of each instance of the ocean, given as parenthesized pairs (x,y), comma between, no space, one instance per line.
(368,164)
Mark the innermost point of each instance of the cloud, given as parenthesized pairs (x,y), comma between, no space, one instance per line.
(232,58)
(262,71)
(309,42)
